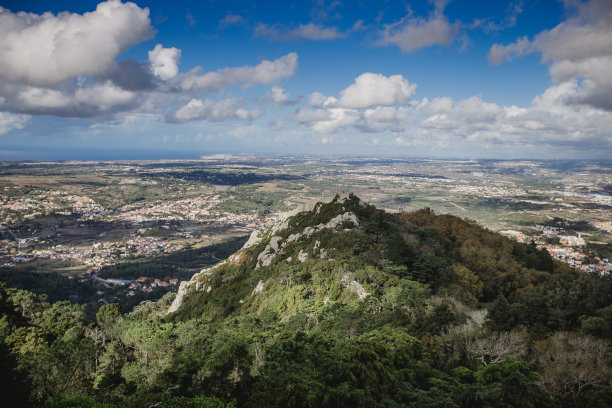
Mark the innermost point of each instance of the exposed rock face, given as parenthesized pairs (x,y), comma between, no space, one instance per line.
(302,256)
(178,300)
(339,219)
(357,289)
(259,287)
(184,287)
(253,240)
(349,282)
(333,223)
(273,248)
(276,245)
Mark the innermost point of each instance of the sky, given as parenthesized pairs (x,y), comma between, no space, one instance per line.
(449,79)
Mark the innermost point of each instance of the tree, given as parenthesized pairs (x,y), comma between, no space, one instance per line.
(502,316)
(596,326)
(572,364)
(468,280)
(431,269)
(514,384)
(64,367)
(495,348)
(108,316)
(61,317)
(25,300)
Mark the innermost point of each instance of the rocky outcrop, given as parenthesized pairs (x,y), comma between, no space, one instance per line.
(194,283)
(259,287)
(253,240)
(302,256)
(348,282)
(178,300)
(276,245)
(273,248)
(332,224)
(357,289)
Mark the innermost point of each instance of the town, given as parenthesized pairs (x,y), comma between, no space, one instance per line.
(569,249)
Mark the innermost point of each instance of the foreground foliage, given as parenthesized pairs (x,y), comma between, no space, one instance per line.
(400,310)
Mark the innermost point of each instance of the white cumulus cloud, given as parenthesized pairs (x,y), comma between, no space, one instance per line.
(264,73)
(213,110)
(11,121)
(317,99)
(382,119)
(103,96)
(279,95)
(48,49)
(33,97)
(368,104)
(327,120)
(164,61)
(376,90)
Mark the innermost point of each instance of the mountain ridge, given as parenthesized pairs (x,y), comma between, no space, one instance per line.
(431,249)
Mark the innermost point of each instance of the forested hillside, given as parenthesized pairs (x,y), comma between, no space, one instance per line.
(343,305)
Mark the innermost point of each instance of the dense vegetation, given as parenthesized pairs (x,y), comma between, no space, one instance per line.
(402,310)
(53,285)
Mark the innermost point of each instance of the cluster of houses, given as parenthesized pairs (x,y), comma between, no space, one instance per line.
(569,249)
(143,284)
(13,210)
(100,253)
(196,208)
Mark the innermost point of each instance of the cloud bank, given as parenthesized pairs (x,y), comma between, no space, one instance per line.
(69,65)
(378,104)
(369,90)
(579,48)
(66,65)
(48,49)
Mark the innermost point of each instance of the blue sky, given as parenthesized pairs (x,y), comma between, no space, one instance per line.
(471,79)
